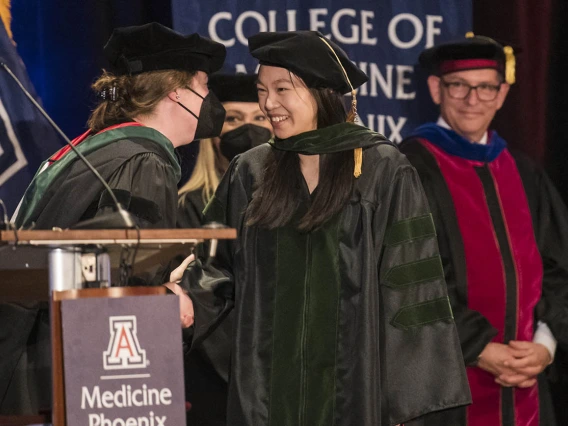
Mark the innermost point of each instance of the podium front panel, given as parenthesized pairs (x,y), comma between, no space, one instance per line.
(122,361)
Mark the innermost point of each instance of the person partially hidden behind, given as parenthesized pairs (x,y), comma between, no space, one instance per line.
(244,128)
(503,236)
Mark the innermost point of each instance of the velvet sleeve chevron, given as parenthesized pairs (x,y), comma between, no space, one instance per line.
(474,329)
(418,320)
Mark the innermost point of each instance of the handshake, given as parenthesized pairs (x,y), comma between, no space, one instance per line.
(185,303)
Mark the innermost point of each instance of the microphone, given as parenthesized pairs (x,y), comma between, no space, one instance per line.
(213,243)
(124,215)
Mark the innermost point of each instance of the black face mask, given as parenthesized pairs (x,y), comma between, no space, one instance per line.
(211,116)
(242,139)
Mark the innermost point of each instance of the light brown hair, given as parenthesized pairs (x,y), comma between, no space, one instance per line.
(135,95)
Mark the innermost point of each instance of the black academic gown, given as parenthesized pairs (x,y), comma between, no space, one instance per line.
(140,166)
(206,366)
(433,150)
(348,324)
(190,209)
(137,162)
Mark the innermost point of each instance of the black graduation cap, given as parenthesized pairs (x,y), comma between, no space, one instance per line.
(472,52)
(153,47)
(310,56)
(234,87)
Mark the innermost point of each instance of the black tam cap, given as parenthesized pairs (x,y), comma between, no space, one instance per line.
(472,52)
(234,88)
(153,47)
(310,56)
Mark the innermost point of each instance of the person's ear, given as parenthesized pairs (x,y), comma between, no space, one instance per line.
(174,96)
(434,85)
(502,95)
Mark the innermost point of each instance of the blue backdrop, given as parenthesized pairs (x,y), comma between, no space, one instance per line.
(26,138)
(384,38)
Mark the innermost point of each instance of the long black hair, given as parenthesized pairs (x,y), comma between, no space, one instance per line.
(277,198)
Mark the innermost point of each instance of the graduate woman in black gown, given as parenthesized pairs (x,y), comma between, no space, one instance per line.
(341,315)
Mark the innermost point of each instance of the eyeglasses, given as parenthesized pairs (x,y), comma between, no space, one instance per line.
(460,90)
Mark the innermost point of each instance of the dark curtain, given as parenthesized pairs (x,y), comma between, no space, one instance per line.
(525,25)
(557,166)
(534,117)
(557,114)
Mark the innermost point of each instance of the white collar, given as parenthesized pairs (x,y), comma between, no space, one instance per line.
(442,123)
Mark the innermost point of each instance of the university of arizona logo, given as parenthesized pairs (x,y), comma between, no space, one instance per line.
(123,347)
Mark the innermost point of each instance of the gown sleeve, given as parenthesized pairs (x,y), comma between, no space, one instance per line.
(550,223)
(190,209)
(551,229)
(146,186)
(422,345)
(210,284)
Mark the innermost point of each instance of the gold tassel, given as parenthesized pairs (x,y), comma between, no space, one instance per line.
(469,34)
(358,154)
(510,64)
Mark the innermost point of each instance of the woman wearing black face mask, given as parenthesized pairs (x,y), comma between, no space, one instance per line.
(154,74)
(245,127)
(153,98)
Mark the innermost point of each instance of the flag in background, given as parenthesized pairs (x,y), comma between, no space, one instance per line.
(6,16)
(26,138)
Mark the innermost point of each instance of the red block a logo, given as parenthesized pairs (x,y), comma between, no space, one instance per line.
(123,347)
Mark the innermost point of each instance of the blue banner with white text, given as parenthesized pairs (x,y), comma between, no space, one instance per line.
(383,37)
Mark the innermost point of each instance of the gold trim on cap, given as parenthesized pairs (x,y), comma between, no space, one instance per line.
(510,64)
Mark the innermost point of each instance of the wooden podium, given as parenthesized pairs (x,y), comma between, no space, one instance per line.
(57,265)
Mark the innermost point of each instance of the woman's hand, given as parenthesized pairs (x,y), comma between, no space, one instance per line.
(186,313)
(177,274)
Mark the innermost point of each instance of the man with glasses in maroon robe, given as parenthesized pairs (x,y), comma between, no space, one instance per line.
(503,236)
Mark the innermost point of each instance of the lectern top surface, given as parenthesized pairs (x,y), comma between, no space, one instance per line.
(116,236)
